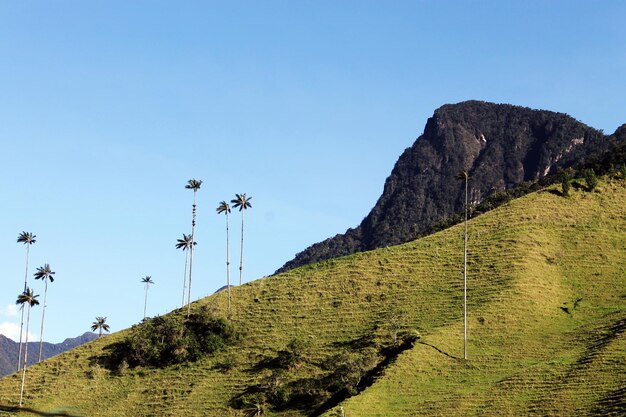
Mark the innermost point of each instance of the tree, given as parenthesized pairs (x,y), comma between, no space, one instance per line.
(44,273)
(185,245)
(100,324)
(463,175)
(225,208)
(566,182)
(194,185)
(28,239)
(27,297)
(242,202)
(591,179)
(147,280)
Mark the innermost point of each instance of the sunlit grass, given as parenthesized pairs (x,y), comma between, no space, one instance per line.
(528,259)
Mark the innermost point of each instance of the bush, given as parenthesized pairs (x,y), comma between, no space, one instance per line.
(293,356)
(348,369)
(167,340)
(591,179)
(566,185)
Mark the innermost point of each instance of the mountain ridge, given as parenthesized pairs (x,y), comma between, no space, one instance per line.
(9,350)
(500,145)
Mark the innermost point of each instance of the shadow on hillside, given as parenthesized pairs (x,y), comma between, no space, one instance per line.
(611,404)
(439,350)
(552,191)
(33,411)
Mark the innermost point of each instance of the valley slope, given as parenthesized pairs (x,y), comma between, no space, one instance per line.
(547,321)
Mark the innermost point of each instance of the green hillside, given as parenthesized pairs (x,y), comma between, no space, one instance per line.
(547,321)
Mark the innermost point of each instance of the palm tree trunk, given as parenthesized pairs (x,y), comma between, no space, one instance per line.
(19,355)
(241,251)
(227,264)
(193,228)
(145,303)
(185,278)
(465,279)
(25,357)
(43,316)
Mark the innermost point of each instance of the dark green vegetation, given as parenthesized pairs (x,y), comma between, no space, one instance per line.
(168,340)
(380,333)
(500,146)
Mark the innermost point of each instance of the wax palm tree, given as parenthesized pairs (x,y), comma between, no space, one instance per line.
(44,273)
(100,324)
(242,202)
(185,245)
(28,239)
(192,184)
(225,208)
(463,175)
(27,297)
(147,280)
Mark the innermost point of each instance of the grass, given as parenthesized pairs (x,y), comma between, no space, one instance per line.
(527,356)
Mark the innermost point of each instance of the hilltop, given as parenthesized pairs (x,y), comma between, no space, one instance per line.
(383,329)
(499,145)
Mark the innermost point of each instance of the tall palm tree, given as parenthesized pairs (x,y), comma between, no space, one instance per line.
(100,324)
(225,208)
(44,273)
(185,245)
(242,202)
(147,280)
(463,175)
(28,239)
(192,184)
(27,297)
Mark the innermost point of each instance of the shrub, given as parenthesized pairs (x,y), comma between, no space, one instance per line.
(167,340)
(349,369)
(566,185)
(591,179)
(294,355)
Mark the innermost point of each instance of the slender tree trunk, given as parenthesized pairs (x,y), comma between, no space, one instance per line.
(193,228)
(19,355)
(25,356)
(43,316)
(185,277)
(227,264)
(145,303)
(241,251)
(465,279)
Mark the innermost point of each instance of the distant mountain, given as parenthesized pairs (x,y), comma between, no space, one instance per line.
(499,145)
(9,350)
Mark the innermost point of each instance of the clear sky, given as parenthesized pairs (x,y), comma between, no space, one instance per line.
(108,108)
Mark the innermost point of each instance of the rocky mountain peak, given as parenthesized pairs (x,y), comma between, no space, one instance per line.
(499,145)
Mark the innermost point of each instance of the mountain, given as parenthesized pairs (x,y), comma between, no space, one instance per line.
(380,333)
(9,350)
(499,145)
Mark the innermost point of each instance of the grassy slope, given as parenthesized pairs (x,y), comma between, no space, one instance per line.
(527,356)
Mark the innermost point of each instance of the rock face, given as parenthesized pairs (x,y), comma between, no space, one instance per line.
(9,350)
(499,145)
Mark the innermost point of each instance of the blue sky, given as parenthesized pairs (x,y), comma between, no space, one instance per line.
(108,108)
